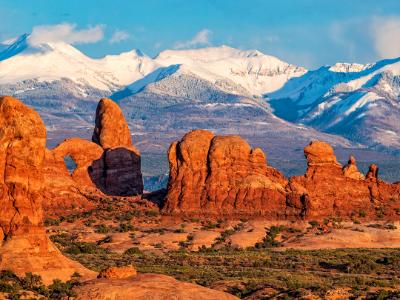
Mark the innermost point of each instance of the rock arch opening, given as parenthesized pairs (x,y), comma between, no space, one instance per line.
(70,164)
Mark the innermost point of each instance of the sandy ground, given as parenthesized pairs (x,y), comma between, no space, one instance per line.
(170,236)
(351,236)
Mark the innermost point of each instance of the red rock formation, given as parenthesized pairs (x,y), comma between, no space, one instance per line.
(83,153)
(111,129)
(328,190)
(222,175)
(110,166)
(22,146)
(121,160)
(351,170)
(147,286)
(118,272)
(63,190)
(25,246)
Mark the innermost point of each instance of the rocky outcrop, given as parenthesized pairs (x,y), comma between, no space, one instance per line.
(110,165)
(22,148)
(118,272)
(83,153)
(146,286)
(121,161)
(351,170)
(111,129)
(67,189)
(325,190)
(328,190)
(222,175)
(24,244)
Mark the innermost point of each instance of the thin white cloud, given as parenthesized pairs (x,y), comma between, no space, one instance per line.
(119,36)
(67,33)
(202,38)
(386,36)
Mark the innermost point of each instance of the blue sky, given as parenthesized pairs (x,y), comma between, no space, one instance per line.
(308,32)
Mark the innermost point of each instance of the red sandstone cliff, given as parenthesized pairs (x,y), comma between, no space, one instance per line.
(24,245)
(223,175)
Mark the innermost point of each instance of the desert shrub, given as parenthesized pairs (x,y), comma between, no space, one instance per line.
(160,231)
(362,214)
(133,251)
(225,234)
(158,245)
(125,227)
(187,243)
(127,216)
(361,264)
(374,225)
(60,290)
(51,222)
(89,222)
(101,228)
(107,239)
(211,225)
(151,213)
(390,226)
(33,282)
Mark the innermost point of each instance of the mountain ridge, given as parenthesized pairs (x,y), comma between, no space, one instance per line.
(275,105)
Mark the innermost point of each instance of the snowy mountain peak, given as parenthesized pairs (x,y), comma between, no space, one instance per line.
(348,67)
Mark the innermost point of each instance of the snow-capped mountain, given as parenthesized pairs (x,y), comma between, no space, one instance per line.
(55,61)
(360,102)
(226,90)
(252,70)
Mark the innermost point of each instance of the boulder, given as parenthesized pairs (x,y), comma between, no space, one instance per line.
(117,272)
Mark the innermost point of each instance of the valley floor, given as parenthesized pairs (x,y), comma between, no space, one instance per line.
(252,259)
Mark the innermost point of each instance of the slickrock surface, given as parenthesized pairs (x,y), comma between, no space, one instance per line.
(222,174)
(147,286)
(24,244)
(121,161)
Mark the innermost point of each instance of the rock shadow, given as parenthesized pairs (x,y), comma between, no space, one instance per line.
(117,172)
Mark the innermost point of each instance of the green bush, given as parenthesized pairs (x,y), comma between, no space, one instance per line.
(101,228)
(51,222)
(133,251)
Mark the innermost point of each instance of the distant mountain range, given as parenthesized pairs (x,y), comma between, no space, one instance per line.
(275,105)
